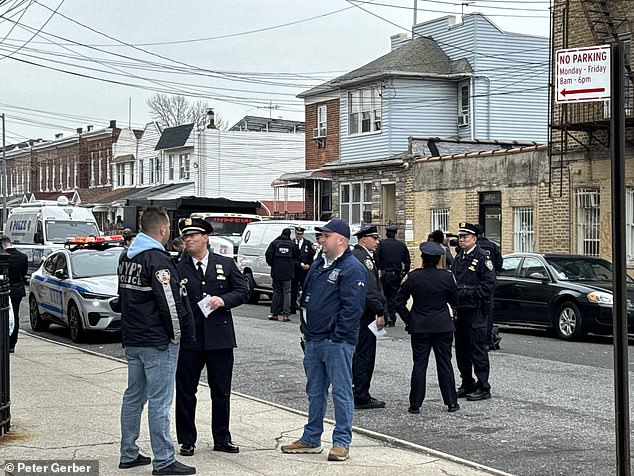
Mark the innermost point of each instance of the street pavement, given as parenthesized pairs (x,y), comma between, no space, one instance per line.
(65,405)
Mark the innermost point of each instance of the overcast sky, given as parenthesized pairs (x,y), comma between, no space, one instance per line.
(240,56)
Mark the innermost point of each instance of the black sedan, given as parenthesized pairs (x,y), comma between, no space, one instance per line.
(571,294)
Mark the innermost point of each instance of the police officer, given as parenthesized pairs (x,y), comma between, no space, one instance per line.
(302,265)
(493,334)
(394,262)
(475,275)
(281,255)
(213,282)
(430,325)
(375,309)
(18,268)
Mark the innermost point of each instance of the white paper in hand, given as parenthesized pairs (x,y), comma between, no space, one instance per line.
(205,305)
(376,331)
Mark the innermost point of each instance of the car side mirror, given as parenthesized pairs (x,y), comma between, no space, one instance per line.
(538,275)
(60,274)
(38,238)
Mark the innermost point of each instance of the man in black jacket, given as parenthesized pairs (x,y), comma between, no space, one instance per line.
(394,262)
(375,309)
(214,287)
(18,268)
(281,256)
(154,320)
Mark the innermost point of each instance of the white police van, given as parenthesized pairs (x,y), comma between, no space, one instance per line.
(39,228)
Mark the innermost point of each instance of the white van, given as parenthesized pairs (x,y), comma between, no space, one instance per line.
(228,228)
(41,227)
(255,240)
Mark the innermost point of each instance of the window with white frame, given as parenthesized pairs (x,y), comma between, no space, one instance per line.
(588,221)
(157,170)
(364,111)
(141,181)
(463,104)
(629,224)
(355,203)
(170,166)
(183,165)
(132,173)
(523,230)
(120,175)
(321,118)
(440,219)
(152,170)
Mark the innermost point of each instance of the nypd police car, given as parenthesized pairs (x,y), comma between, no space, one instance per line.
(75,287)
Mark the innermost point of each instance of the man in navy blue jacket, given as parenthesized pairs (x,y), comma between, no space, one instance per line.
(331,305)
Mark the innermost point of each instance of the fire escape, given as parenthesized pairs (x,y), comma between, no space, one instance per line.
(581,125)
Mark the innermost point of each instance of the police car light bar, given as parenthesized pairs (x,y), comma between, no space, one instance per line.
(80,240)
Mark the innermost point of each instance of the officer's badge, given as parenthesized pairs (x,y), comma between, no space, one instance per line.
(489,264)
(188,221)
(369,264)
(163,276)
(220,269)
(332,277)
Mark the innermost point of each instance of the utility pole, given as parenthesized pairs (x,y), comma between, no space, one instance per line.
(415,10)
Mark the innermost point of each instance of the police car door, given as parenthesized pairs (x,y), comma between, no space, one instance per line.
(53,286)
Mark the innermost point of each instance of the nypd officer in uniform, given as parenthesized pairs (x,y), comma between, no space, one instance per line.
(475,275)
(375,309)
(213,282)
(430,324)
(394,263)
(302,265)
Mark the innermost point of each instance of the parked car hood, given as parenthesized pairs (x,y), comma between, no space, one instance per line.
(99,285)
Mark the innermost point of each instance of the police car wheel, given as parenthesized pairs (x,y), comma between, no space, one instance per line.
(37,323)
(568,322)
(75,324)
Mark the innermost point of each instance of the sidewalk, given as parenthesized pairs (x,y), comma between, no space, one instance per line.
(65,405)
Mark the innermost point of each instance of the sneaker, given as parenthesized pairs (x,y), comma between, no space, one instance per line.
(300,447)
(338,453)
(175,468)
(272,317)
(139,461)
(372,403)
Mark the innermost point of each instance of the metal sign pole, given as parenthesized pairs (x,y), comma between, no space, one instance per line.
(617,143)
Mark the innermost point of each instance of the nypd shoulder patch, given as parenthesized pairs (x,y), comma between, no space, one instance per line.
(163,276)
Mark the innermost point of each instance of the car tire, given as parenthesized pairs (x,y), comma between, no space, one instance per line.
(568,322)
(35,318)
(75,323)
(254,296)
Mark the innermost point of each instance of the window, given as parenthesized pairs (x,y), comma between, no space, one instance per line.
(530,266)
(523,232)
(440,219)
(132,173)
(588,222)
(463,104)
(321,117)
(183,164)
(152,170)
(120,175)
(364,111)
(157,170)
(509,266)
(356,202)
(141,180)
(629,223)
(170,166)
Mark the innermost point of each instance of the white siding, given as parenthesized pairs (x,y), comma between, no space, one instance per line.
(511,76)
(242,165)
(147,143)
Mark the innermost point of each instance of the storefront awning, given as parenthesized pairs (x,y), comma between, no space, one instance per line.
(297,179)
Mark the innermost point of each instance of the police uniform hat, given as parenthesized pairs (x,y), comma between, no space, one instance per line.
(189,226)
(299,228)
(369,230)
(465,228)
(431,248)
(392,228)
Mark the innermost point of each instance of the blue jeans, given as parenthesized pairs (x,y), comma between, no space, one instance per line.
(329,363)
(151,374)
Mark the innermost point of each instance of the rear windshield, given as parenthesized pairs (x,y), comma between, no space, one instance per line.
(580,269)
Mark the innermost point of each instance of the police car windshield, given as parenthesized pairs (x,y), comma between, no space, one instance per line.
(91,264)
(60,231)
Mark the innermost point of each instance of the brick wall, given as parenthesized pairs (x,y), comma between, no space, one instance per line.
(320,152)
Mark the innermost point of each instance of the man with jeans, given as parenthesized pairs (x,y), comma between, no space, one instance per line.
(331,305)
(154,319)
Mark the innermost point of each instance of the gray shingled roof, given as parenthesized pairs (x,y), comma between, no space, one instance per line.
(418,57)
(173,137)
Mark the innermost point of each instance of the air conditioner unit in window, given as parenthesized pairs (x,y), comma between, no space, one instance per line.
(319,132)
(463,119)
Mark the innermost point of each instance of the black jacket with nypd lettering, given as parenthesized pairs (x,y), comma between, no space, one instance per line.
(282,255)
(153,312)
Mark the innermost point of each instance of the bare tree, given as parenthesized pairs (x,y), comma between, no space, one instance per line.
(172,111)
